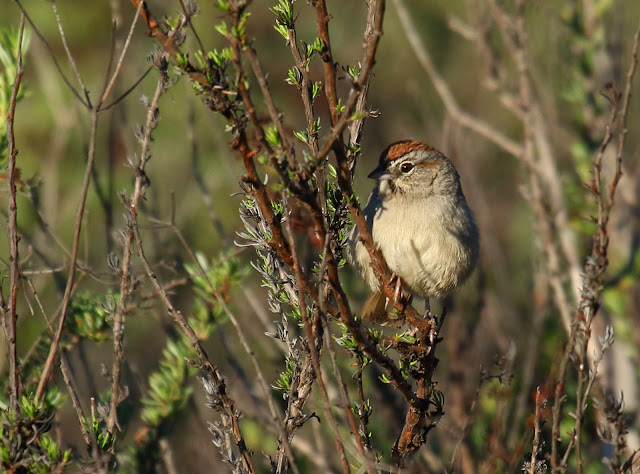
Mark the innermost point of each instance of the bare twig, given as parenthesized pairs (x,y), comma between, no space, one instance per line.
(125,48)
(533,463)
(48,367)
(70,57)
(140,187)
(10,312)
(53,56)
(442,88)
(595,268)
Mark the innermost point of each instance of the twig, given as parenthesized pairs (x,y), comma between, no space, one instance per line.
(125,48)
(355,130)
(140,187)
(198,175)
(595,267)
(442,88)
(275,412)
(10,312)
(53,56)
(48,367)
(357,85)
(70,57)
(345,398)
(533,465)
(67,375)
(305,90)
(322,27)
(276,116)
(231,416)
(313,332)
(127,92)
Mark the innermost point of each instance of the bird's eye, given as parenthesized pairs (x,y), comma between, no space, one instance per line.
(406,167)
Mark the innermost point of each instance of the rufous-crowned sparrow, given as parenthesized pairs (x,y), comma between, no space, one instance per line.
(420,220)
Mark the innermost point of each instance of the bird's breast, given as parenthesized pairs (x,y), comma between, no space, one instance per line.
(425,245)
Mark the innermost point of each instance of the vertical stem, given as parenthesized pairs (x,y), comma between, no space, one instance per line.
(48,367)
(11,316)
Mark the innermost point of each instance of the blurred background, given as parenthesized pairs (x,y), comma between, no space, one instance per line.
(502,323)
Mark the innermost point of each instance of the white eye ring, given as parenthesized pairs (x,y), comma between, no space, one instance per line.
(406,167)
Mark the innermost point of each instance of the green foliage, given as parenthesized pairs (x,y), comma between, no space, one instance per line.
(89,316)
(97,428)
(283,382)
(169,391)
(284,17)
(273,137)
(294,76)
(9,60)
(25,442)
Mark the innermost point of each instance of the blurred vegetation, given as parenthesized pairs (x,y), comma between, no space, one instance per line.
(503,335)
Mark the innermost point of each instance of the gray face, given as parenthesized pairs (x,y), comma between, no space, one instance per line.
(419,172)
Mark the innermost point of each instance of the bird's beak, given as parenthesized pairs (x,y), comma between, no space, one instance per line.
(379,173)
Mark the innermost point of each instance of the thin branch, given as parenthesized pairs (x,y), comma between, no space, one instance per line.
(125,48)
(355,131)
(595,267)
(187,15)
(140,186)
(276,116)
(345,399)
(357,85)
(72,60)
(305,91)
(127,92)
(533,463)
(89,440)
(48,367)
(442,88)
(10,313)
(52,55)
(322,26)
(273,408)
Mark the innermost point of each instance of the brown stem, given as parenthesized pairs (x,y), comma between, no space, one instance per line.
(48,367)
(125,277)
(10,312)
(313,334)
(322,26)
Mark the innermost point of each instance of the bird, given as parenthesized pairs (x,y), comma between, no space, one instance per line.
(421,222)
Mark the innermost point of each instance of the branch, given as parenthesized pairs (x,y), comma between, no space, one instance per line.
(10,312)
(442,88)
